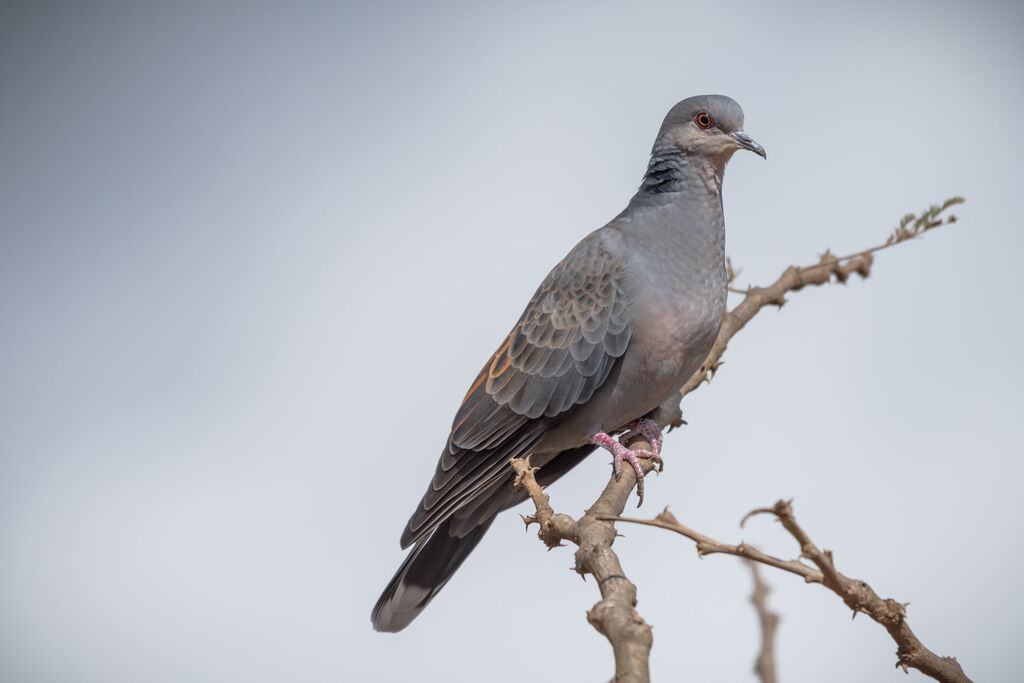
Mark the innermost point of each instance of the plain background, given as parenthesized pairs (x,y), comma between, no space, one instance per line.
(252,255)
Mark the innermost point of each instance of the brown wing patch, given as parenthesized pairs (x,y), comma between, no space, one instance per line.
(497,369)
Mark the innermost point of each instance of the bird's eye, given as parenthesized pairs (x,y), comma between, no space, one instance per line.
(704,120)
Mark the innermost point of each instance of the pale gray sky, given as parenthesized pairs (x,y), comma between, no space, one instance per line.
(252,256)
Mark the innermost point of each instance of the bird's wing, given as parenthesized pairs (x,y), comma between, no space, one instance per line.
(563,348)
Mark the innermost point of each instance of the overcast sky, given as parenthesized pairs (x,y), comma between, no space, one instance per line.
(251,257)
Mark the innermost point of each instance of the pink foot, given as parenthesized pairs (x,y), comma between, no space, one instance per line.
(649,430)
(621,453)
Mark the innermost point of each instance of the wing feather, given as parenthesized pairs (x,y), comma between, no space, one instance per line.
(572,333)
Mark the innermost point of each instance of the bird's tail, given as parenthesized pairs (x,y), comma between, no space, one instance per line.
(425,571)
(434,559)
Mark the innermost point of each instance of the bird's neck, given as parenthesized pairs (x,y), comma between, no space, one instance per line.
(675,171)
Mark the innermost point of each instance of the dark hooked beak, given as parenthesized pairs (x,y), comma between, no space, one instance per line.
(747,142)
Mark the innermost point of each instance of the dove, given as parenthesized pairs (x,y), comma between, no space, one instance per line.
(613,331)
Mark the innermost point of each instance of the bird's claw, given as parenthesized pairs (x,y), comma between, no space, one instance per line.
(622,454)
(650,430)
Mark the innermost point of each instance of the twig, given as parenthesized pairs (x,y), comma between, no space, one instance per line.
(796,278)
(764,665)
(858,595)
(615,615)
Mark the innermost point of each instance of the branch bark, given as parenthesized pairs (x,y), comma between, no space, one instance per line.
(615,615)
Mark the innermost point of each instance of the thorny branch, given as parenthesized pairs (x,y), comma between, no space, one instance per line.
(615,615)
(796,278)
(857,594)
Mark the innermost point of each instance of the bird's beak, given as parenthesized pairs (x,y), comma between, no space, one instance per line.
(747,142)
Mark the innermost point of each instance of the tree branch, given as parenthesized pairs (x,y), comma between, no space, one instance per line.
(794,279)
(615,615)
(858,595)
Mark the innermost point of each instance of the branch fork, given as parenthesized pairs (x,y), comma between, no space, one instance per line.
(615,615)
(857,594)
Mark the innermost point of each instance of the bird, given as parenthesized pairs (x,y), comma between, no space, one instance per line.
(613,331)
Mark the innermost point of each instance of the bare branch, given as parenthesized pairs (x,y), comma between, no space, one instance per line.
(795,278)
(858,595)
(709,546)
(614,615)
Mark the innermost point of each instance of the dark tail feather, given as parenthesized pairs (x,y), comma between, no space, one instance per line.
(434,559)
(425,571)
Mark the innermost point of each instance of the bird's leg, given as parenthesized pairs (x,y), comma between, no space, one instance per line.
(620,453)
(650,430)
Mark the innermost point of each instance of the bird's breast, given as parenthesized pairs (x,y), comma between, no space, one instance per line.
(676,314)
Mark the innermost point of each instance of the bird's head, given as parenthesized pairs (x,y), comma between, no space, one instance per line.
(710,126)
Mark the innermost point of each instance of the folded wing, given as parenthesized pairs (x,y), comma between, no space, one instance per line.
(573,332)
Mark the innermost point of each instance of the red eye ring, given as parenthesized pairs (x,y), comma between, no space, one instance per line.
(703,119)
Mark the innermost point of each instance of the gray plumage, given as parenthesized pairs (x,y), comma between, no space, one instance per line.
(613,331)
